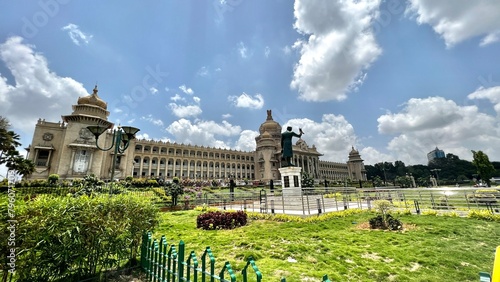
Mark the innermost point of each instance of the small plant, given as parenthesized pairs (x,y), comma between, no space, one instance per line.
(221,220)
(384,220)
(53,179)
(174,189)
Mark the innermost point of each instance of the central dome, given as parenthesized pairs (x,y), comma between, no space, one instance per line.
(93,99)
(270,125)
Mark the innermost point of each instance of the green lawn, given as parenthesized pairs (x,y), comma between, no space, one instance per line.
(432,248)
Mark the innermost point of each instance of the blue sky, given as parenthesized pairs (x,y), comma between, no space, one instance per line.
(392,78)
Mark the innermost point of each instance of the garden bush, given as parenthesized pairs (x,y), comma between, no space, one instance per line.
(73,238)
(384,220)
(389,222)
(221,220)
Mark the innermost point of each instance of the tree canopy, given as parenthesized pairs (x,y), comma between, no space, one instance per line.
(9,155)
(485,169)
(450,170)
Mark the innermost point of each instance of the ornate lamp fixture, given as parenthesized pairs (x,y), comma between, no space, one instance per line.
(121,140)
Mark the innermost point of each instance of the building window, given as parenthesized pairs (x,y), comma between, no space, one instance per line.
(287,181)
(81,161)
(295,181)
(42,158)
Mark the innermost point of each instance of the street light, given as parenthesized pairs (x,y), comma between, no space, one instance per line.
(121,140)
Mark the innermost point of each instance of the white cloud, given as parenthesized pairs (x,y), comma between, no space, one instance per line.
(183,111)
(152,120)
(340,48)
(186,90)
(76,35)
(287,50)
(459,20)
(246,142)
(492,94)
(242,49)
(142,136)
(333,136)
(372,156)
(490,38)
(226,116)
(203,71)
(153,90)
(204,133)
(426,123)
(267,51)
(420,114)
(177,97)
(37,91)
(247,101)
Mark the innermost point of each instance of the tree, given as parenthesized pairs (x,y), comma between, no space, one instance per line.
(174,189)
(21,165)
(9,155)
(483,165)
(377,181)
(307,180)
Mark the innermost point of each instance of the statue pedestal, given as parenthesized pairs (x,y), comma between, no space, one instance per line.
(291,181)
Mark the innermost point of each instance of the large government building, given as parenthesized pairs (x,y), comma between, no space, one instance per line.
(69,149)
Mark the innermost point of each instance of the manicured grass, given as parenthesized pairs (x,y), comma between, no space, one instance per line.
(432,248)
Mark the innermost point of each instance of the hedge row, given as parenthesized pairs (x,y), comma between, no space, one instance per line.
(73,238)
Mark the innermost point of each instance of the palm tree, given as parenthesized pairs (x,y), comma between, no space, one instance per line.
(9,140)
(21,165)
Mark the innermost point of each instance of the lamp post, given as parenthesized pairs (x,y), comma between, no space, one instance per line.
(121,140)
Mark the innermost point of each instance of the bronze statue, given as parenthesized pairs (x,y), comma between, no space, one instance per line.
(286,145)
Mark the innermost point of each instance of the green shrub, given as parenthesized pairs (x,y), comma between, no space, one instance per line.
(68,238)
(335,196)
(221,220)
(384,220)
(53,179)
(387,222)
(484,215)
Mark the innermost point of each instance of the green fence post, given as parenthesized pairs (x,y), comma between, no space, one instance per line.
(251,262)
(180,261)
(151,256)
(194,267)
(146,238)
(172,256)
(227,266)
(163,257)
(208,252)
(155,260)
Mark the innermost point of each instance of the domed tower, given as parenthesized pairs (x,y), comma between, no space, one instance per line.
(80,155)
(355,166)
(268,147)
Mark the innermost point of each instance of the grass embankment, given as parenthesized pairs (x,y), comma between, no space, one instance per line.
(430,249)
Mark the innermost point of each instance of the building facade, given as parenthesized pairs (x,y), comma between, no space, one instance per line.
(435,154)
(70,150)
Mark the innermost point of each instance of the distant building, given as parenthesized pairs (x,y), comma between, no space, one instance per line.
(69,149)
(435,154)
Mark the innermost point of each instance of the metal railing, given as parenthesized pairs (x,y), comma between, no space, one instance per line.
(313,201)
(317,200)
